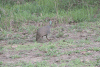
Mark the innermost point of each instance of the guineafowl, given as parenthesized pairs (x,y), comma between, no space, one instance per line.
(43,31)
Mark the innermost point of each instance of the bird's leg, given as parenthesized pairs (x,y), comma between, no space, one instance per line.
(47,37)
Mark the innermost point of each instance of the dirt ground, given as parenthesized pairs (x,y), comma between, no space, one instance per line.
(69,33)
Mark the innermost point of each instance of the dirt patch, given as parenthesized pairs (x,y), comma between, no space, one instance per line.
(84,39)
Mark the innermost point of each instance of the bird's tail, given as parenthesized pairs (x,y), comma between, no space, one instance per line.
(37,37)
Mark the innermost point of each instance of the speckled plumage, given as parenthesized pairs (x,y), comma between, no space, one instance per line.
(43,31)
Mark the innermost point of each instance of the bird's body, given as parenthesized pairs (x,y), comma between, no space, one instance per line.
(43,31)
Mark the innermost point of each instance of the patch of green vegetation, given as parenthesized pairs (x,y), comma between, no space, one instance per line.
(29,28)
(1,62)
(25,47)
(69,52)
(15,56)
(54,65)
(98,39)
(39,10)
(50,50)
(16,36)
(80,45)
(70,41)
(16,41)
(78,63)
(83,41)
(66,42)
(53,52)
(88,53)
(1,48)
(46,47)
(62,65)
(46,58)
(77,51)
(60,34)
(62,43)
(80,26)
(4,35)
(94,49)
(1,38)
(20,63)
(97,63)
(41,64)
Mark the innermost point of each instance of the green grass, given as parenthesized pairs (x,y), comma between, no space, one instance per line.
(60,34)
(17,23)
(39,10)
(72,63)
(15,56)
(94,49)
(1,49)
(16,41)
(83,41)
(78,62)
(1,62)
(25,47)
(97,39)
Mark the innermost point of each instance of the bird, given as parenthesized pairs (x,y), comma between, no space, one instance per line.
(43,31)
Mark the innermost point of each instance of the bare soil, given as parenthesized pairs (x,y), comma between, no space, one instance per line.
(33,57)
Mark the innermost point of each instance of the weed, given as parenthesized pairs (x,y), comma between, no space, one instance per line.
(77,51)
(69,52)
(25,47)
(88,53)
(1,48)
(94,49)
(98,39)
(60,34)
(79,45)
(46,58)
(41,64)
(62,65)
(16,41)
(15,56)
(82,41)
(1,62)
(1,38)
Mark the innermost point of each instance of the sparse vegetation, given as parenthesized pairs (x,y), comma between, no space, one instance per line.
(75,33)
(1,62)
(15,56)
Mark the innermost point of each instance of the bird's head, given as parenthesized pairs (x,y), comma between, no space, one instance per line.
(50,22)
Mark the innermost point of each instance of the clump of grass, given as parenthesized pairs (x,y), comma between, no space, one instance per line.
(49,50)
(60,34)
(69,52)
(98,39)
(15,56)
(1,49)
(84,41)
(77,51)
(76,62)
(25,47)
(88,53)
(41,64)
(1,38)
(16,41)
(79,45)
(53,53)
(4,35)
(1,62)
(39,10)
(94,49)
